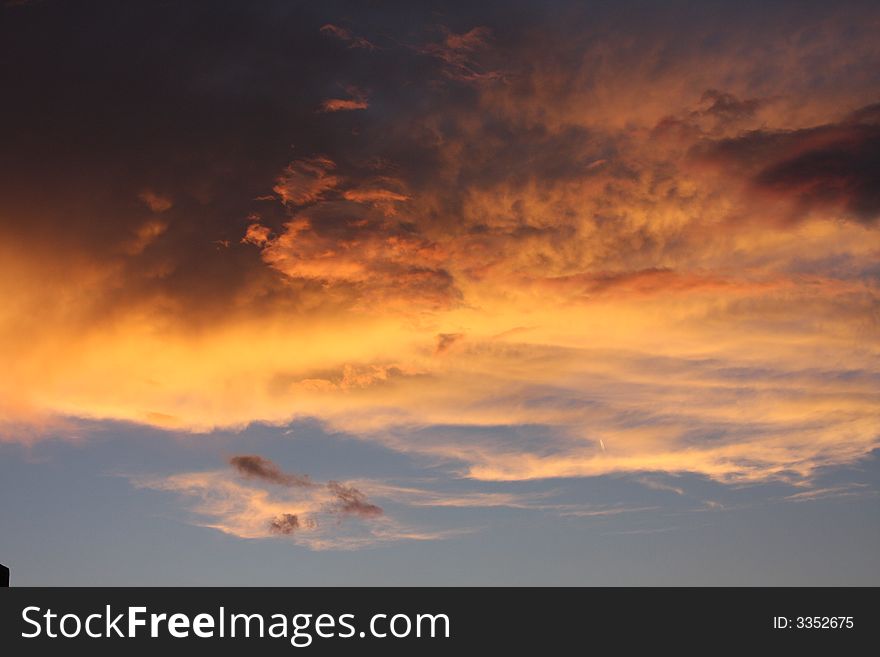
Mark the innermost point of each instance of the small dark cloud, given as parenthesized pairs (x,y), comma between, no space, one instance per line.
(351,501)
(252,466)
(727,107)
(446,340)
(347,499)
(285,524)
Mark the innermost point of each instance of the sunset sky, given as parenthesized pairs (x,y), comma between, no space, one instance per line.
(439,292)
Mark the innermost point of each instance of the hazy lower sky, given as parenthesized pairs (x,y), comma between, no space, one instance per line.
(440,293)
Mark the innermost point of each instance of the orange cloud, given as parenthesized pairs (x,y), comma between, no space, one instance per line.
(458,54)
(156,202)
(675,260)
(343,104)
(363,260)
(305,181)
(357,101)
(146,234)
(374,195)
(256,234)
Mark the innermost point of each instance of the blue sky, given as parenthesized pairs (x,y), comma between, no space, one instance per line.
(71,516)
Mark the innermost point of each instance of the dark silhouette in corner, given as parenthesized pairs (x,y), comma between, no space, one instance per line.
(4,575)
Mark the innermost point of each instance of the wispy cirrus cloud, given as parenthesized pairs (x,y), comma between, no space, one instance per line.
(306,180)
(346,35)
(852,490)
(459,54)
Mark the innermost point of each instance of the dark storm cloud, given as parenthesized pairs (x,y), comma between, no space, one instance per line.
(834,165)
(200,104)
(252,466)
(182,101)
(209,107)
(844,173)
(195,110)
